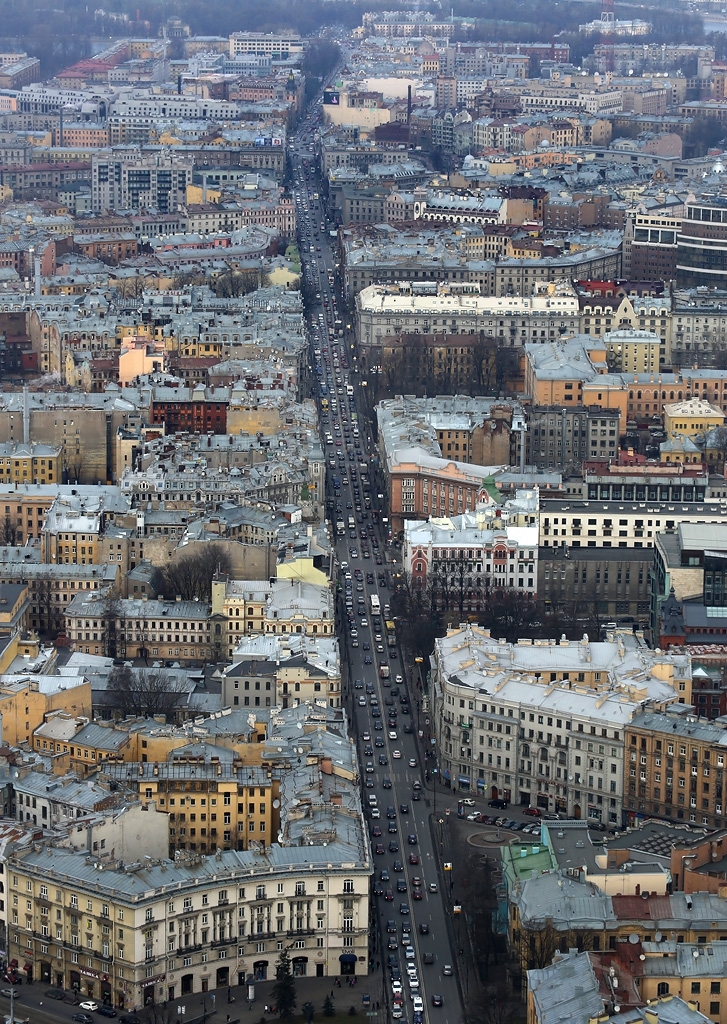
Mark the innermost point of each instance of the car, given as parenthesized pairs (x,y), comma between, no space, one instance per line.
(534,812)
(417,894)
(386,783)
(358,685)
(369,782)
(362,702)
(396,754)
(468,801)
(396,988)
(89,1004)
(376,832)
(437,1000)
(379,741)
(409,953)
(399,679)
(383,759)
(411,839)
(375,812)
(392,828)
(598,826)
(391,812)
(401,885)
(417,1004)
(433,887)
(379,850)
(391,927)
(384,875)
(447,970)
(13,993)
(367,659)
(378,889)
(393,736)
(413,858)
(389,896)
(475,816)
(398,866)
(393,847)
(404,808)
(368,750)
(403,908)
(499,803)
(55,993)
(83,1018)
(369,766)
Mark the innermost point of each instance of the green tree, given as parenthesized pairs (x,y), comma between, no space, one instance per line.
(328,1010)
(283,994)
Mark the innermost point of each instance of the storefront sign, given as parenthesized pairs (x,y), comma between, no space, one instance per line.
(147,982)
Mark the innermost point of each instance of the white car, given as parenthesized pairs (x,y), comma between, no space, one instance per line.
(396,753)
(410,953)
(375,812)
(412,762)
(468,801)
(392,735)
(396,988)
(399,679)
(89,1004)
(417,1004)
(473,816)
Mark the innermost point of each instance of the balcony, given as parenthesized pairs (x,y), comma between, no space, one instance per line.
(298,933)
(259,936)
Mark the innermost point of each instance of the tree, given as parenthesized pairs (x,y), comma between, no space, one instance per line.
(328,1010)
(143,692)
(283,994)
(191,575)
(8,531)
(50,616)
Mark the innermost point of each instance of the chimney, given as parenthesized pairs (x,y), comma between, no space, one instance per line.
(26,415)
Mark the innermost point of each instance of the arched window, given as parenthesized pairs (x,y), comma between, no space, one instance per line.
(662,989)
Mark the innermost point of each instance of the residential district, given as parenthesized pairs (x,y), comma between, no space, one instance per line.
(363,448)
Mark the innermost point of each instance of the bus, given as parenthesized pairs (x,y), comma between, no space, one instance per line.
(375,605)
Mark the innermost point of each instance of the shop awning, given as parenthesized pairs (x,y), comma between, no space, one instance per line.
(348,958)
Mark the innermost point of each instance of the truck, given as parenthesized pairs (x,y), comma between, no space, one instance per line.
(340,528)
(384,671)
(375,605)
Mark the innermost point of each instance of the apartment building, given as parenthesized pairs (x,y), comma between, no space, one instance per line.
(462,558)
(134,180)
(155,930)
(543,724)
(619,524)
(559,437)
(676,767)
(550,312)
(297,668)
(278,45)
(30,463)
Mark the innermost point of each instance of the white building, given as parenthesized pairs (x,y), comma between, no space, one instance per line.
(542,723)
(550,312)
(462,558)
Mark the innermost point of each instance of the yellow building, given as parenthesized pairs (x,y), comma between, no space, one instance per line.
(692,417)
(71,533)
(632,351)
(23,707)
(30,463)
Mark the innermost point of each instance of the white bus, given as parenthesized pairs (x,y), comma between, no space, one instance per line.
(375,605)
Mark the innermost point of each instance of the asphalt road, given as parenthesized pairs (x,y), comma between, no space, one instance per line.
(434,909)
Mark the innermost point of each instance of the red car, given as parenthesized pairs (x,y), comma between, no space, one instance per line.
(534,812)
(413,858)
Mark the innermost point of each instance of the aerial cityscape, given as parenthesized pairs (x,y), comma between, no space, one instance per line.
(363,513)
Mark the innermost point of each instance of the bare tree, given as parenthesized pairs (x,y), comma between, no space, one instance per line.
(8,531)
(143,692)
(191,575)
(50,615)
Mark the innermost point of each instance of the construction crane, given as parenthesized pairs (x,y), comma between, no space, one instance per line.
(608,19)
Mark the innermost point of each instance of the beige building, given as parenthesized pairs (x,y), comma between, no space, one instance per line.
(692,418)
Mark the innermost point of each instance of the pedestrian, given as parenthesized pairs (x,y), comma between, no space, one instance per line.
(331,993)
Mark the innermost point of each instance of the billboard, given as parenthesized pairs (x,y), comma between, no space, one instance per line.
(331,97)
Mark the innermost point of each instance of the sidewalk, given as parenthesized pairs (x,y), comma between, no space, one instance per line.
(312,990)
